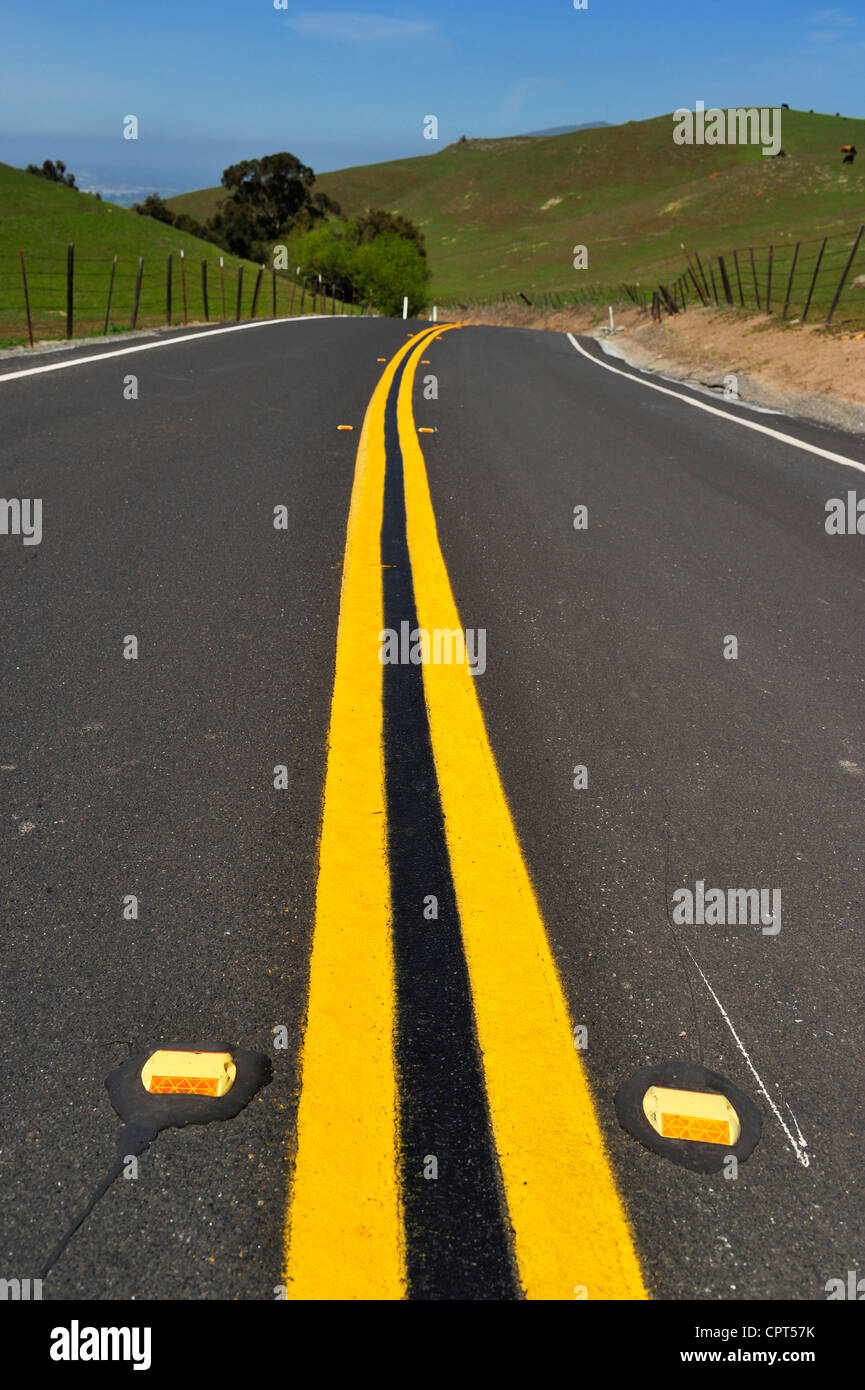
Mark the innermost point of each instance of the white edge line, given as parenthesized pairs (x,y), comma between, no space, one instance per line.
(163,342)
(713,410)
(799,1152)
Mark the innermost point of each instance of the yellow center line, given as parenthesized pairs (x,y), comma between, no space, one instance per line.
(344,1222)
(572,1237)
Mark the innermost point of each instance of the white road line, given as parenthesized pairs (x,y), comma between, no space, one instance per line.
(799,1150)
(163,342)
(713,410)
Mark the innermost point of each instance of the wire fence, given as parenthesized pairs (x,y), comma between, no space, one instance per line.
(62,297)
(812,281)
(45,296)
(815,281)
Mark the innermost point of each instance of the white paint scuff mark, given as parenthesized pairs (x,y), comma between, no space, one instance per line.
(798,1145)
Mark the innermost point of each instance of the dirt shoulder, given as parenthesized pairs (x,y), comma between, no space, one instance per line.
(799,369)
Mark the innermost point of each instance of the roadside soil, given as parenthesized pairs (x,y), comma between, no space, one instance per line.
(798,369)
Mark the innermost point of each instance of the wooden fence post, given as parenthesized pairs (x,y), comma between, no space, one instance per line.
(714,286)
(725,280)
(204,291)
(845,272)
(273,288)
(239,290)
(27,301)
(754,274)
(769,281)
(70,278)
(110,292)
(168,290)
(702,275)
(222,278)
(257,288)
(183,286)
(697,287)
(738,278)
(137,291)
(790,281)
(814,279)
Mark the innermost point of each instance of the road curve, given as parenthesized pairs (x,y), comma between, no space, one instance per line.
(607,647)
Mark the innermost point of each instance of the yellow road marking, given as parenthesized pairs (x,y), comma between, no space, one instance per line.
(571,1231)
(344,1221)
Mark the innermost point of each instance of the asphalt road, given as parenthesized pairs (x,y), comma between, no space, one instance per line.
(605,648)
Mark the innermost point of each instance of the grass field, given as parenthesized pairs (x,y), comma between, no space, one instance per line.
(503,215)
(40,218)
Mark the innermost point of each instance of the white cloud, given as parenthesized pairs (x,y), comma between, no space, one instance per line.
(833,30)
(836,18)
(523,91)
(352,27)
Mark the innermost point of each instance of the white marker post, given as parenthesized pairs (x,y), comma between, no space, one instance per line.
(405,307)
(611,318)
(435,313)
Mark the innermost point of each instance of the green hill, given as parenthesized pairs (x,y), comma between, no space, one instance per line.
(503,215)
(40,218)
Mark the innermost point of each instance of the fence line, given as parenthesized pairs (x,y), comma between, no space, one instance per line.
(69,295)
(805,280)
(820,286)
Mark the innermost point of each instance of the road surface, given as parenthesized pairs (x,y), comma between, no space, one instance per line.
(298,918)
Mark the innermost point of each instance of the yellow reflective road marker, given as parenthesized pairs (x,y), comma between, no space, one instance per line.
(172,1073)
(344,1227)
(570,1227)
(697,1115)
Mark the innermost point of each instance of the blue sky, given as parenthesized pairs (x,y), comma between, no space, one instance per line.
(215,82)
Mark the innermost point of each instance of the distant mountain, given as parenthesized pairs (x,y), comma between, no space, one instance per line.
(568,129)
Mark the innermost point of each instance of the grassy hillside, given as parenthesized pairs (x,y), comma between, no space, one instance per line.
(40,218)
(503,215)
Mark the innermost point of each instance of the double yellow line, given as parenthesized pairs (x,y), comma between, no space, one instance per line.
(344,1232)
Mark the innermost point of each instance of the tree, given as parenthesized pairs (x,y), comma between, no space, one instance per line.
(329,250)
(374,221)
(154,206)
(325,205)
(379,269)
(236,227)
(388,268)
(55,172)
(270,193)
